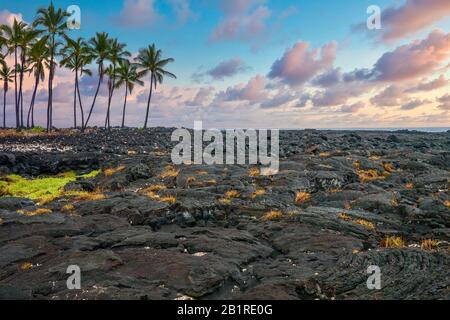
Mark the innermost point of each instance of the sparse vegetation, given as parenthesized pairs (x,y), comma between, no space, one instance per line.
(393,242)
(258,193)
(36,212)
(272,215)
(302,197)
(26,266)
(362,222)
(42,189)
(232,194)
(429,244)
(254,172)
(169,172)
(112,171)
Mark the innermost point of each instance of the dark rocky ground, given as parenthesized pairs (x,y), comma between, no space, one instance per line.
(191,240)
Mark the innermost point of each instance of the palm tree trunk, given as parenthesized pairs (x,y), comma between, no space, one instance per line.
(15,89)
(75,103)
(148,103)
(4,108)
(100,72)
(79,100)
(108,114)
(22,61)
(30,111)
(50,86)
(124,106)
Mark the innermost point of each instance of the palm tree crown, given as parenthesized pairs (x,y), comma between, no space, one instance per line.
(150,60)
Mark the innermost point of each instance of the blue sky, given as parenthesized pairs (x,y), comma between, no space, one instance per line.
(268,29)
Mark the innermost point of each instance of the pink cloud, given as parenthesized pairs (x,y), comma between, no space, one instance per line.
(227,68)
(253,91)
(412,16)
(7,17)
(415,59)
(353,108)
(300,64)
(138,13)
(445,102)
(243,20)
(431,85)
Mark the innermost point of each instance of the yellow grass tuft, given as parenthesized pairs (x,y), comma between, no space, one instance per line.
(388,167)
(132,152)
(36,212)
(409,186)
(225,201)
(393,242)
(429,244)
(302,197)
(447,203)
(370,175)
(26,266)
(374,158)
(201,172)
(347,205)
(170,200)
(366,224)
(336,190)
(324,154)
(68,207)
(169,172)
(344,216)
(254,172)
(272,215)
(258,193)
(232,194)
(86,196)
(155,188)
(112,171)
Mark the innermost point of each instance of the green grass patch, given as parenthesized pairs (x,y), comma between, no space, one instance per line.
(42,189)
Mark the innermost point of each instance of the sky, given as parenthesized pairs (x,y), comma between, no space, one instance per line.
(267,63)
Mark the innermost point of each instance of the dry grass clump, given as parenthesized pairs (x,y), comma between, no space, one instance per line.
(232,194)
(258,193)
(36,212)
(336,190)
(447,203)
(348,205)
(272,215)
(68,207)
(132,152)
(26,266)
(170,200)
(85,196)
(393,242)
(302,197)
(225,201)
(155,188)
(201,172)
(429,244)
(366,224)
(254,172)
(169,172)
(370,175)
(344,216)
(409,186)
(112,171)
(324,154)
(388,167)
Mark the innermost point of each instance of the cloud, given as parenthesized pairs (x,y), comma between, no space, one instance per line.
(339,94)
(300,64)
(445,102)
(137,13)
(243,20)
(430,86)
(227,68)
(7,17)
(392,96)
(202,97)
(252,92)
(353,108)
(414,104)
(411,17)
(279,100)
(415,59)
(182,10)
(328,78)
(292,10)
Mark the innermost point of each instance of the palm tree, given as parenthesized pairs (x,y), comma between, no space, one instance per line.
(76,56)
(7,76)
(150,60)
(54,23)
(27,36)
(117,53)
(13,40)
(100,47)
(127,75)
(38,61)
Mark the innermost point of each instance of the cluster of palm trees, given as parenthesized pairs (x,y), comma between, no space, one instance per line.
(39,48)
